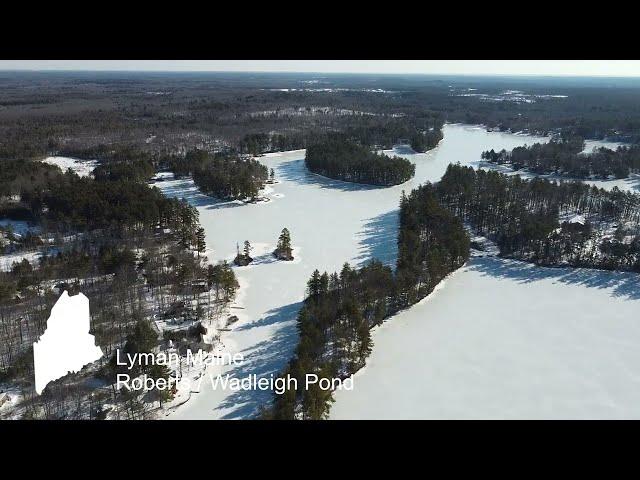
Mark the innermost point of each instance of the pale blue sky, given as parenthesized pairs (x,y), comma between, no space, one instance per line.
(612,68)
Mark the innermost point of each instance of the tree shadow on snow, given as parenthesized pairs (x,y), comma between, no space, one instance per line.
(403,150)
(622,284)
(379,239)
(263,359)
(187,190)
(296,172)
(264,259)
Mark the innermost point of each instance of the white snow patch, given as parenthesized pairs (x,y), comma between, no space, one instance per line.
(83,168)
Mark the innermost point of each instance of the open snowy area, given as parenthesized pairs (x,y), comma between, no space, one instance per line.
(591,145)
(505,339)
(82,167)
(7,260)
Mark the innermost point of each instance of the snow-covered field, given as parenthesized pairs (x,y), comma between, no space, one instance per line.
(7,260)
(330,222)
(591,145)
(506,339)
(19,227)
(82,167)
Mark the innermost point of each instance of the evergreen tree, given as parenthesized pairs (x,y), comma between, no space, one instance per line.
(283,249)
(339,158)
(201,244)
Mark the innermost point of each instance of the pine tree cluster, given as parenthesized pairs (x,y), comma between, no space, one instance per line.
(344,160)
(523,217)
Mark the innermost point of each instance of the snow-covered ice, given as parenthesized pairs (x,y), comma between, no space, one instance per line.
(331,222)
(506,339)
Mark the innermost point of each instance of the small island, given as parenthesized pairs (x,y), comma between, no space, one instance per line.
(225,176)
(243,258)
(344,160)
(283,250)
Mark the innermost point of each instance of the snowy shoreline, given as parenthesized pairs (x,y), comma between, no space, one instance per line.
(366,228)
(335,222)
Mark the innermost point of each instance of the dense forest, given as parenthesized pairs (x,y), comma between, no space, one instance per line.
(40,192)
(537,220)
(78,114)
(564,157)
(370,131)
(90,117)
(133,252)
(224,176)
(340,309)
(341,159)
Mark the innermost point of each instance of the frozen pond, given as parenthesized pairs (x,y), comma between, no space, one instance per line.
(332,222)
(503,339)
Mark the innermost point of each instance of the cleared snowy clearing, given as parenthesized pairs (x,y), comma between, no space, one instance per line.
(7,260)
(82,167)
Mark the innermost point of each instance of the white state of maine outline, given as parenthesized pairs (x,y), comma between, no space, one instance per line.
(66,345)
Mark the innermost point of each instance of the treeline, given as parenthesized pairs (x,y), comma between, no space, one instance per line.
(83,203)
(422,133)
(599,228)
(223,176)
(564,157)
(18,176)
(341,159)
(247,115)
(592,111)
(41,192)
(340,309)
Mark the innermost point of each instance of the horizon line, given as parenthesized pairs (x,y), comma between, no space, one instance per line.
(414,74)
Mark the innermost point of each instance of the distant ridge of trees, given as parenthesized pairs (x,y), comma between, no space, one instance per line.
(564,157)
(422,132)
(341,159)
